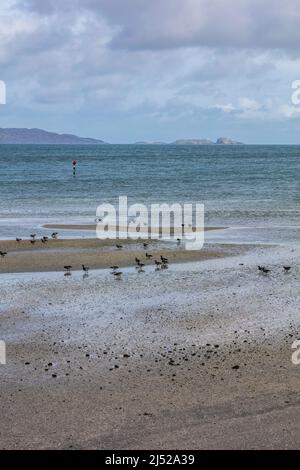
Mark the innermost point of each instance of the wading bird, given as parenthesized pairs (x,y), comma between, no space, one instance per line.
(118,275)
(114,268)
(266,271)
(68,270)
(261,268)
(85,269)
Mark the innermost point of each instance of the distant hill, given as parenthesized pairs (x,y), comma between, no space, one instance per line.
(39,136)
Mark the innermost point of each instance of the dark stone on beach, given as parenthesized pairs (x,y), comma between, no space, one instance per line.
(27,363)
(54,376)
(126,355)
(235,367)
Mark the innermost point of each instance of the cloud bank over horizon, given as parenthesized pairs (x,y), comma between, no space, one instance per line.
(126,70)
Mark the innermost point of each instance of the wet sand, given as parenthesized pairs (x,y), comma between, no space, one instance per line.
(55,254)
(197,356)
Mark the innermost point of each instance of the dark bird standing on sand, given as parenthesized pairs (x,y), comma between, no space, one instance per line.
(263,269)
(54,235)
(114,268)
(149,256)
(3,254)
(118,275)
(145,245)
(158,263)
(85,269)
(119,247)
(286,268)
(164,260)
(18,240)
(266,271)
(68,270)
(33,235)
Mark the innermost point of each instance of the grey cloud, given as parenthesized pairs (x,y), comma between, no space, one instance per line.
(159,24)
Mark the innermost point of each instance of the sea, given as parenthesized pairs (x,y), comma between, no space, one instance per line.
(252,191)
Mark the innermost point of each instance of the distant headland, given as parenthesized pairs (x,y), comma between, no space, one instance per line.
(39,136)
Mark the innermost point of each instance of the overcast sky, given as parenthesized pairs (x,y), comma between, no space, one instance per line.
(127,70)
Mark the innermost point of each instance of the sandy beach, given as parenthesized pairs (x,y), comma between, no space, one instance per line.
(196,356)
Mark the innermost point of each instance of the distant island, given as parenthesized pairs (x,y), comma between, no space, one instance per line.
(219,141)
(39,136)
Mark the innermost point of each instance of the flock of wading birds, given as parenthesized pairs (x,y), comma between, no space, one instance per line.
(162,263)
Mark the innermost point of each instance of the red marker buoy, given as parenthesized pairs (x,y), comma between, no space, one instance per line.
(74,163)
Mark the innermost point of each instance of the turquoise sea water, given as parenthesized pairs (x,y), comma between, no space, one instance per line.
(254,190)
